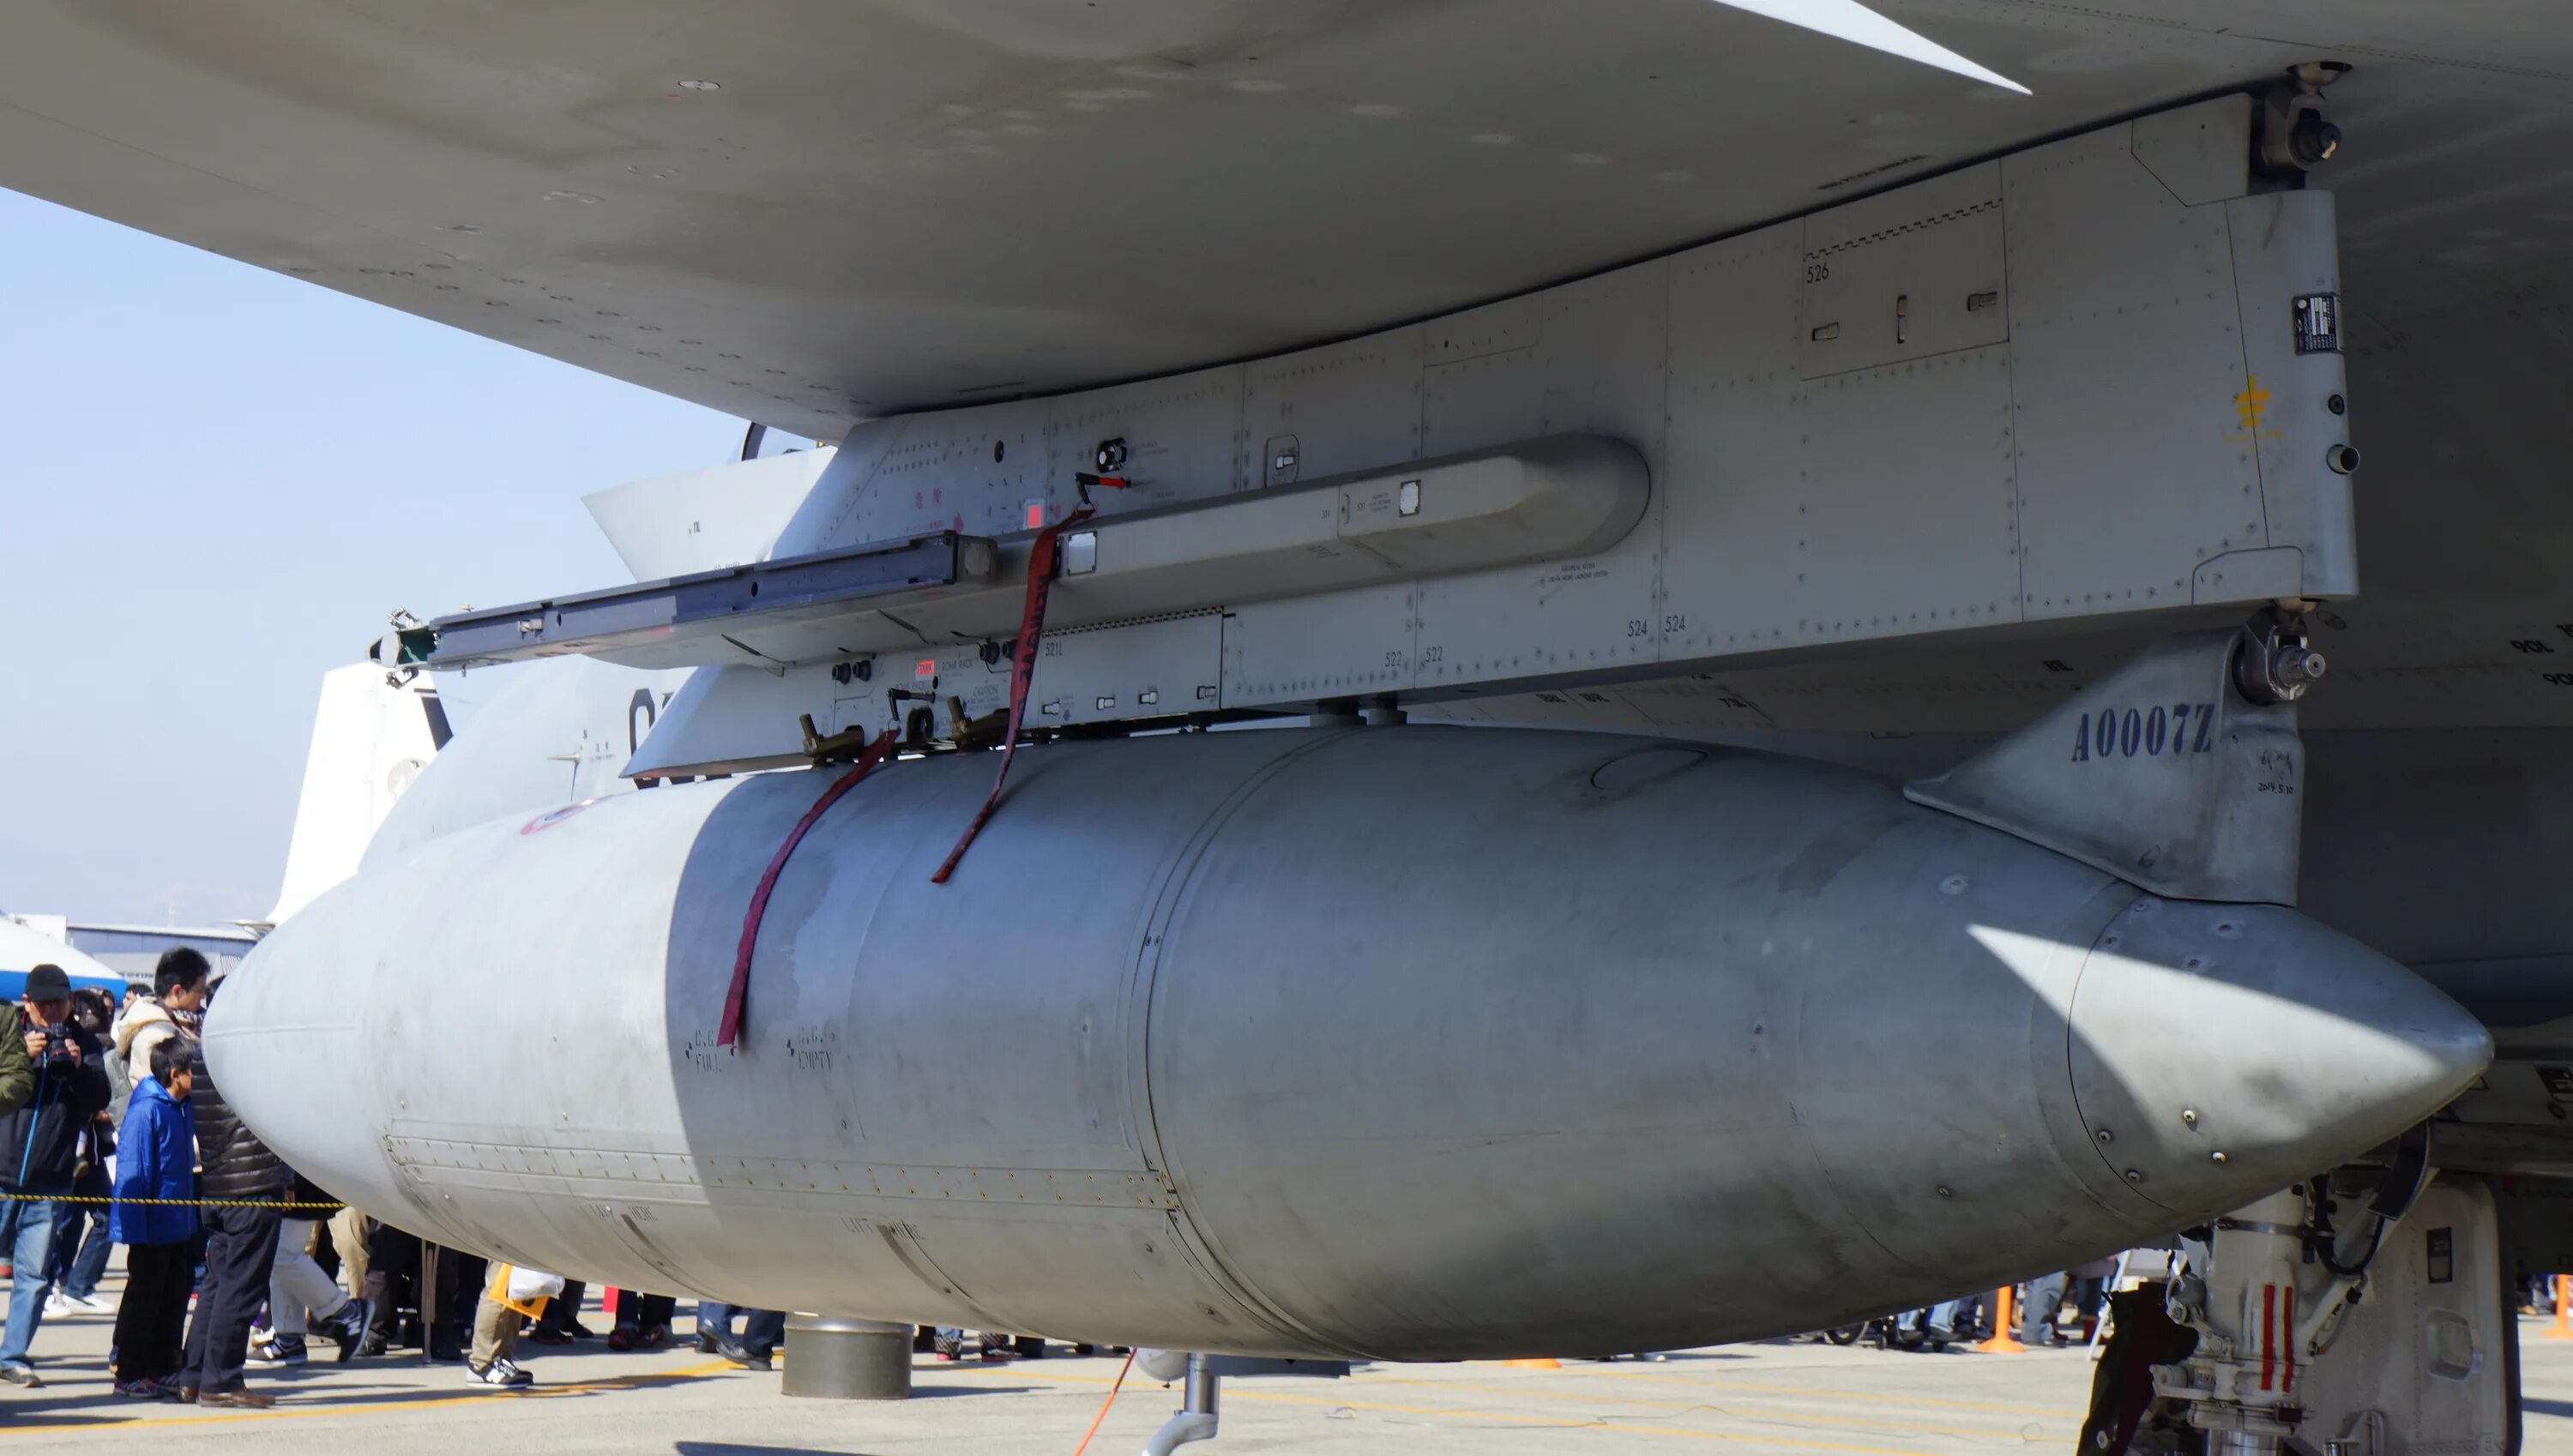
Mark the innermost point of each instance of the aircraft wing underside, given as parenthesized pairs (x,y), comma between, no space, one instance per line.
(814,214)
(810,214)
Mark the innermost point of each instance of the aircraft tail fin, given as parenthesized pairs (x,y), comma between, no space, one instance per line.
(369,740)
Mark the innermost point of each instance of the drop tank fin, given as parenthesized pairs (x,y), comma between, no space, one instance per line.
(2180,772)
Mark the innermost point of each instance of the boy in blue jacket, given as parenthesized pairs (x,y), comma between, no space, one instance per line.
(156,1159)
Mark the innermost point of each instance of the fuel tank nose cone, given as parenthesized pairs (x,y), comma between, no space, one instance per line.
(2220,1051)
(284,1044)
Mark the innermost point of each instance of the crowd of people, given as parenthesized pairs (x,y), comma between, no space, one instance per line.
(2065,1308)
(113,1132)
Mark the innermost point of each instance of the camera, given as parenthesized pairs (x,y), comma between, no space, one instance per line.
(58,1043)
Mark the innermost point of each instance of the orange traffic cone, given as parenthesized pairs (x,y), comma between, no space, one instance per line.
(1542,1362)
(2562,1329)
(2000,1343)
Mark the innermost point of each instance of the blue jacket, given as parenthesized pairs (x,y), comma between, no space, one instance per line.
(156,1157)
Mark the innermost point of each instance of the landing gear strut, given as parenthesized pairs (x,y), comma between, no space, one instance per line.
(2364,1313)
(1194,1420)
(1201,1392)
(2259,1312)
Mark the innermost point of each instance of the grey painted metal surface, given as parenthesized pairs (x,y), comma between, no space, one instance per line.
(834,1358)
(1070,203)
(1408,1042)
(697,521)
(703,616)
(2161,773)
(2436,848)
(1564,495)
(1514,143)
(2024,393)
(557,733)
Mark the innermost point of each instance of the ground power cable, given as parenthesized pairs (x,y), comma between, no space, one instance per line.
(1114,1387)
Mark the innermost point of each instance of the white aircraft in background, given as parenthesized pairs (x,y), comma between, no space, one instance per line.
(24,947)
(371,737)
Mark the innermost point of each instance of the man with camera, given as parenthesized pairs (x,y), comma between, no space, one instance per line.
(40,1153)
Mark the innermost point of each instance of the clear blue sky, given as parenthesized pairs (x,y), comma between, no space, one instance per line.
(215,481)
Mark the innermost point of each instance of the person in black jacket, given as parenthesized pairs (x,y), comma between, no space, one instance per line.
(240,1246)
(78,1263)
(40,1153)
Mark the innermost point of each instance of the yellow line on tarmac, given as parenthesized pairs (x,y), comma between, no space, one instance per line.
(1235,1393)
(1819,1393)
(1803,1392)
(1523,1419)
(1984,1433)
(370,1407)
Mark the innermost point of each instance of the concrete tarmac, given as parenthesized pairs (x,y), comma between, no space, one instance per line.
(1777,1397)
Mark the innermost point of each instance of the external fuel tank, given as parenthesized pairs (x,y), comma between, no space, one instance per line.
(1402,1043)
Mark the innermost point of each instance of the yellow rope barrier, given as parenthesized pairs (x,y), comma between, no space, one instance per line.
(8,1197)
